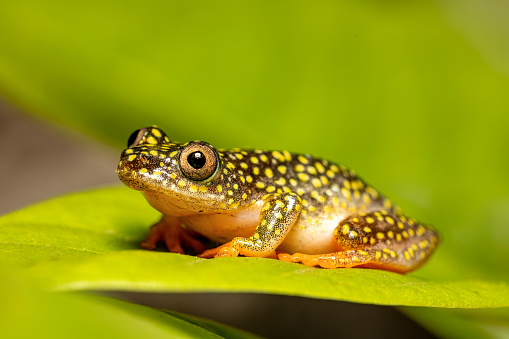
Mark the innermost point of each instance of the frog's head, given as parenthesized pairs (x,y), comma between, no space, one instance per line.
(176,179)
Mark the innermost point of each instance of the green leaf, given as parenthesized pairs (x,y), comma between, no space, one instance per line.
(96,249)
(27,312)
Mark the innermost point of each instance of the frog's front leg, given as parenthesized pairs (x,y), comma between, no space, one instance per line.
(279,213)
(170,231)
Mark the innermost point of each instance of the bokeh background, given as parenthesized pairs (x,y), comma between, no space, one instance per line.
(413,95)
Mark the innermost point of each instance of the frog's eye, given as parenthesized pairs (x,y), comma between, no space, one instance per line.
(198,161)
(149,136)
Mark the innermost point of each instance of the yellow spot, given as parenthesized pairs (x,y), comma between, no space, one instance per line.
(293,182)
(380,235)
(411,251)
(279,216)
(143,170)
(345,229)
(372,241)
(166,139)
(153,152)
(312,208)
(277,231)
(355,219)
(304,202)
(346,184)
(268,173)
(303,177)
(370,220)
(420,230)
(281,169)
(367,229)
(256,236)
(393,254)
(346,193)
(311,170)
(327,209)
(300,191)
(146,153)
(411,232)
(400,226)
(271,189)
(422,255)
(281,181)
(324,180)
(378,255)
(230,201)
(398,237)
(354,258)
(316,182)
(202,189)
(129,151)
(235,186)
(390,234)
(365,239)
(353,234)
(193,188)
(300,168)
(242,179)
(387,203)
(230,165)
(156,133)
(303,159)
(366,198)
(249,178)
(414,246)
(287,155)
(407,256)
(389,220)
(335,201)
(330,174)
(225,171)
(172,154)
(181,183)
(256,171)
(230,192)
(405,234)
(161,164)
(264,222)
(131,157)
(321,198)
(244,165)
(219,188)
(157,173)
(278,156)
(319,167)
(254,160)
(151,140)
(244,196)
(260,184)
(264,158)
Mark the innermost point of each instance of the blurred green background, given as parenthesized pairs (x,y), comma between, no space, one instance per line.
(413,95)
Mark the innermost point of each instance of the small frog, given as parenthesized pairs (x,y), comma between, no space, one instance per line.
(276,204)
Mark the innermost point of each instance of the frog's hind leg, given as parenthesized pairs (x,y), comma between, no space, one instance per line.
(331,260)
(381,239)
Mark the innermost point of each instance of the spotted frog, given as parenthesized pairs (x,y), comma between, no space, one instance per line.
(277,204)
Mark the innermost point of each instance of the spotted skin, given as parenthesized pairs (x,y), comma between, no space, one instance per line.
(273,203)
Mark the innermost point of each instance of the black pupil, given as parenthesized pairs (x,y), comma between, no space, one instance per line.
(196,160)
(132,138)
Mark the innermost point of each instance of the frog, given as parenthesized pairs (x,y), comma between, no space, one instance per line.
(294,207)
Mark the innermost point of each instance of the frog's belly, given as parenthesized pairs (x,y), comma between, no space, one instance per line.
(311,238)
(303,238)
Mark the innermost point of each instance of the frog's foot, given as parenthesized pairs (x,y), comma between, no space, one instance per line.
(227,250)
(214,252)
(330,260)
(174,236)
